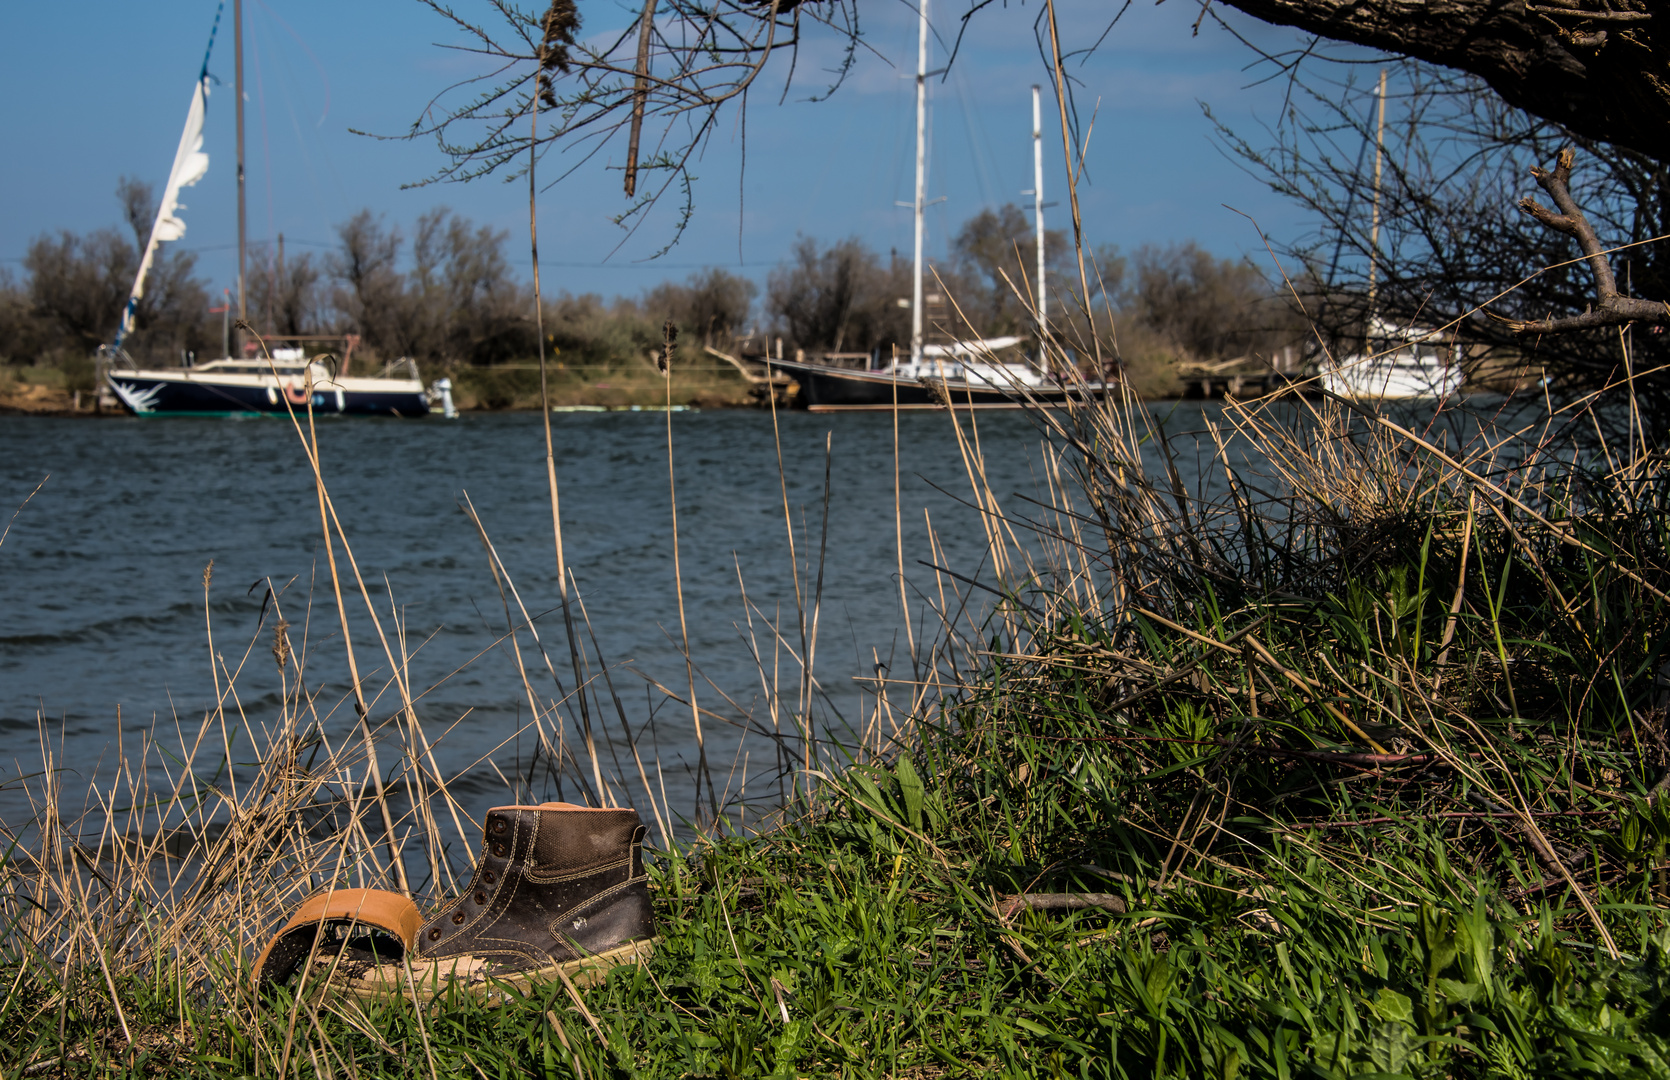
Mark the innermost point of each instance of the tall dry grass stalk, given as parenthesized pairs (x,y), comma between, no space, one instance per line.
(1429,617)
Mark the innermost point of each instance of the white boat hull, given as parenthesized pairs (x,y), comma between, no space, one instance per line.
(1370,380)
(194,392)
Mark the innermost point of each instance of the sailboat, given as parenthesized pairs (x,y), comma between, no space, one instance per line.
(229,386)
(982,373)
(1397,363)
(1400,363)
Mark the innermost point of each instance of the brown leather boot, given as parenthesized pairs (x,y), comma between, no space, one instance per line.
(558,888)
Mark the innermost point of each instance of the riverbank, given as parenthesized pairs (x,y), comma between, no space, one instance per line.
(1357,774)
(40,391)
(505,388)
(515,388)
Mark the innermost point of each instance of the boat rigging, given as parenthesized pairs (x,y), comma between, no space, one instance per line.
(230,386)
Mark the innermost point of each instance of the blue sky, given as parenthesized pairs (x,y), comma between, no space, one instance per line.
(98,89)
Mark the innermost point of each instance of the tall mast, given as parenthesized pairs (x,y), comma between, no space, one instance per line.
(238,47)
(1374,228)
(921,175)
(1038,209)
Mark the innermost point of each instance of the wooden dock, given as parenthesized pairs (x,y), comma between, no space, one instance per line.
(1242,377)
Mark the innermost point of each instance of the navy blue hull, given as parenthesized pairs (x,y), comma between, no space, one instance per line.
(828,389)
(146,395)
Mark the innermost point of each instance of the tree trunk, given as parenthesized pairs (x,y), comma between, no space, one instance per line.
(1600,73)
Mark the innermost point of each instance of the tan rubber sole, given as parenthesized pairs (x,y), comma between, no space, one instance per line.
(430,979)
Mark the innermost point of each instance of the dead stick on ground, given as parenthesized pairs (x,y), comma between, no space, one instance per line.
(1460,587)
(1009,905)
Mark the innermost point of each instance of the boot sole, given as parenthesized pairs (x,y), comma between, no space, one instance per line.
(435,978)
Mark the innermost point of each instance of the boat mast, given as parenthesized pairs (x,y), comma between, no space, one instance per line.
(1038,210)
(921,175)
(238,48)
(1374,227)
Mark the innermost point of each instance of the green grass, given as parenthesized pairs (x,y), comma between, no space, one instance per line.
(38,376)
(887,962)
(696,383)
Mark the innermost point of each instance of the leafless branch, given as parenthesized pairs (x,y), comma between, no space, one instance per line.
(1611,308)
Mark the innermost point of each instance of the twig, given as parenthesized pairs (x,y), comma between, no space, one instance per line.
(1611,308)
(1009,905)
(21,505)
(1447,815)
(640,95)
(579,1003)
(115,999)
(1331,757)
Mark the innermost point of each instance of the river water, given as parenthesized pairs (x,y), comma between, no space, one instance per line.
(102,609)
(102,619)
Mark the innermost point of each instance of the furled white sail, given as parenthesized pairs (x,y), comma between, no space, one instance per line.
(190,163)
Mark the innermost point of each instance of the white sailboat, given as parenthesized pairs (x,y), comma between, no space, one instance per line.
(1398,363)
(974,373)
(231,386)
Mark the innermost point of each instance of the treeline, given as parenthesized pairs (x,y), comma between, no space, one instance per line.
(444,292)
(1153,308)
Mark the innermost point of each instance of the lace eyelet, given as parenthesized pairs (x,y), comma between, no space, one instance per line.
(481,899)
(499,850)
(489,877)
(434,933)
(457,918)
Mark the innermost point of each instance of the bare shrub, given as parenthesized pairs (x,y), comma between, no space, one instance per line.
(712,305)
(841,298)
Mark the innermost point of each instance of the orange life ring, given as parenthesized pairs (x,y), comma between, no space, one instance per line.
(296,395)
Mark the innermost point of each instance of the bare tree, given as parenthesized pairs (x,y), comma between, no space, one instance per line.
(80,284)
(1594,68)
(290,291)
(1447,236)
(458,302)
(670,71)
(840,298)
(1206,307)
(487,308)
(711,304)
(995,254)
(24,335)
(139,208)
(590,331)
(370,293)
